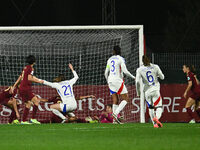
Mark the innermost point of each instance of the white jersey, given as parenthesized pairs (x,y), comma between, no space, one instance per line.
(65,88)
(149,76)
(116,67)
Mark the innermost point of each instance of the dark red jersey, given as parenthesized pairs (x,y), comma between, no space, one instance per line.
(195,86)
(6,95)
(25,83)
(54,99)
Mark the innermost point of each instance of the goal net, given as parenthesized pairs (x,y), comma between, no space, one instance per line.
(87,48)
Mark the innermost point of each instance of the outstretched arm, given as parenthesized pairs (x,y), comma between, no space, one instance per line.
(16,84)
(124,69)
(53,85)
(34,79)
(83,97)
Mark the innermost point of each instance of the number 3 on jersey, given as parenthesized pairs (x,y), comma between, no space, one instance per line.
(149,76)
(67,90)
(113,65)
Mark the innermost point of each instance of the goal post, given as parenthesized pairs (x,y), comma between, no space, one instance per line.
(87,48)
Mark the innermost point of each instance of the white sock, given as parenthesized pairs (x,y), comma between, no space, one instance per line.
(151,114)
(158,112)
(114,107)
(120,107)
(58,113)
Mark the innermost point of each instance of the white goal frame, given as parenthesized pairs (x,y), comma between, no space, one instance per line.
(141,43)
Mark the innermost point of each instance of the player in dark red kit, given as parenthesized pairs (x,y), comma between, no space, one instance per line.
(25,79)
(194,87)
(7,98)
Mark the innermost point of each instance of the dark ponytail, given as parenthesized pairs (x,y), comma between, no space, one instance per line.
(192,68)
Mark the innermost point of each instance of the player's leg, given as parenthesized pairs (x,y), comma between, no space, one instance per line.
(149,102)
(28,105)
(115,100)
(188,106)
(122,91)
(57,108)
(197,107)
(113,87)
(157,103)
(35,100)
(14,117)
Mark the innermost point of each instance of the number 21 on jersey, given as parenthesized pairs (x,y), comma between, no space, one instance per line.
(67,90)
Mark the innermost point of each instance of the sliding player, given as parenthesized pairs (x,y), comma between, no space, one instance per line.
(149,74)
(8,99)
(65,90)
(71,116)
(25,80)
(194,87)
(114,76)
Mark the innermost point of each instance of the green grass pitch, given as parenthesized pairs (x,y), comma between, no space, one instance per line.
(130,136)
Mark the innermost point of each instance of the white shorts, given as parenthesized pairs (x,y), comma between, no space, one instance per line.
(153,98)
(68,107)
(117,87)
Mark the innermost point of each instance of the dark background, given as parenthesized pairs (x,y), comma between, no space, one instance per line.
(169,25)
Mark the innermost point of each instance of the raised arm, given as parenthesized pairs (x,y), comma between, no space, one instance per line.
(73,80)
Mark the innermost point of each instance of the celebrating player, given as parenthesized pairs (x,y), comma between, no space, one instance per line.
(65,90)
(149,74)
(114,76)
(194,87)
(25,79)
(7,98)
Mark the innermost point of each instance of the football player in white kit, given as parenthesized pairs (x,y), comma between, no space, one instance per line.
(114,76)
(149,74)
(65,90)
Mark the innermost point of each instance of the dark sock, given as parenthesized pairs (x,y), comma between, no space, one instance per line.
(198,112)
(35,108)
(189,111)
(79,120)
(12,116)
(25,115)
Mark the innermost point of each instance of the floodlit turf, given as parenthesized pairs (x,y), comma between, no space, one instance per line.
(100,137)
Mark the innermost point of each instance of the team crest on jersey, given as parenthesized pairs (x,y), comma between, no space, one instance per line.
(188,78)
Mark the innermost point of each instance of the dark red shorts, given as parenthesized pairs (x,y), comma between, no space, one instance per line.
(26,95)
(195,96)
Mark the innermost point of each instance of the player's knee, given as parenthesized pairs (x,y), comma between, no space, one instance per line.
(151,107)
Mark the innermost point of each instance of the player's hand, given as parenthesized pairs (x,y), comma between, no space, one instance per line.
(71,67)
(11,90)
(185,95)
